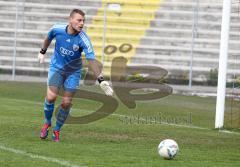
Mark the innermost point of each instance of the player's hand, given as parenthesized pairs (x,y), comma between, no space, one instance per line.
(41,57)
(106,88)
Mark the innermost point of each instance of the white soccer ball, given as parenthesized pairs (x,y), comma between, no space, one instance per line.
(168,149)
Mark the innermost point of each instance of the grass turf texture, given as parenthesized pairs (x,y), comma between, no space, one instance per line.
(114,141)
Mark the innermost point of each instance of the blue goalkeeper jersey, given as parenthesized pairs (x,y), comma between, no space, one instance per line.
(69,48)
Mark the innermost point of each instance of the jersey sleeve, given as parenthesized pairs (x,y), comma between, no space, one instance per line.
(87,46)
(51,34)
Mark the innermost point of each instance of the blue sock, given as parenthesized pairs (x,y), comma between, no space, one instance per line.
(61,117)
(48,111)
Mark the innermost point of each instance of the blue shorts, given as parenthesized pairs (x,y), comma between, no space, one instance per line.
(68,80)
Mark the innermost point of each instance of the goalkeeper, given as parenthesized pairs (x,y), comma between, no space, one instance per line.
(65,68)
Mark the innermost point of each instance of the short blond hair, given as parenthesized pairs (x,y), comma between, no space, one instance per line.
(77,11)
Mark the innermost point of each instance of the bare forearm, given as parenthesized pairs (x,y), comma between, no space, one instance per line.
(46,43)
(96,67)
(43,50)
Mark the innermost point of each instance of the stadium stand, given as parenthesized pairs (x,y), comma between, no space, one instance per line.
(123,28)
(170,38)
(34,21)
(160,32)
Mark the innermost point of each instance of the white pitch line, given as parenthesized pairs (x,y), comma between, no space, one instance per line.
(119,115)
(152,122)
(36,156)
(179,125)
(230,132)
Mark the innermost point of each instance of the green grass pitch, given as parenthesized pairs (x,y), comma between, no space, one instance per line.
(119,140)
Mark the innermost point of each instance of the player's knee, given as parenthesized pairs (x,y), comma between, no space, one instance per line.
(50,99)
(51,94)
(66,104)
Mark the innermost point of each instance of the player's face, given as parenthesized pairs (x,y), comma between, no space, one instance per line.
(77,22)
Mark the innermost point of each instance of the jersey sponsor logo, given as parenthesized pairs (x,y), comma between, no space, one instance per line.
(68,40)
(66,52)
(75,47)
